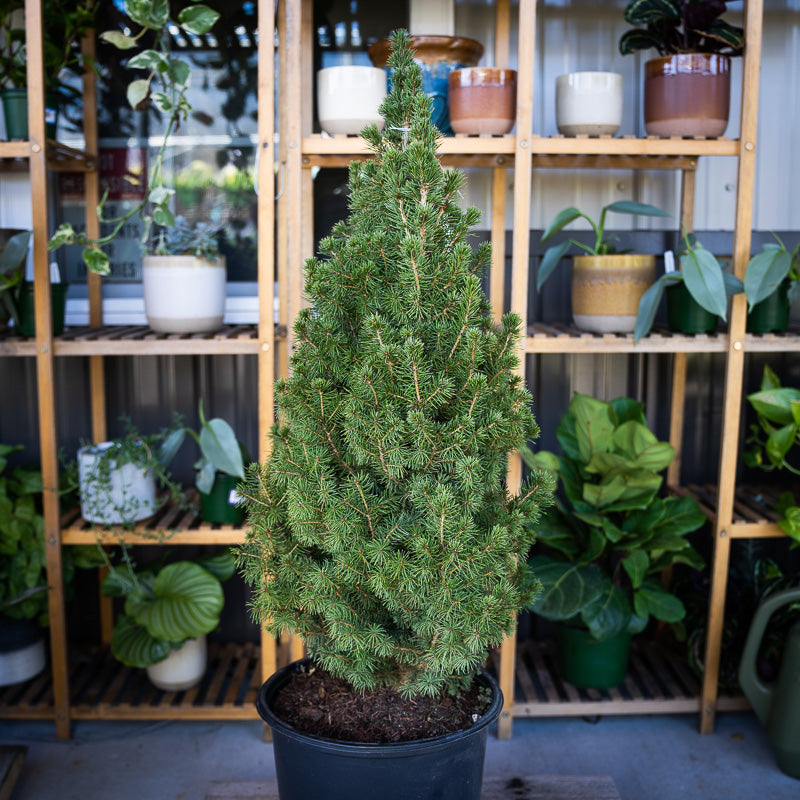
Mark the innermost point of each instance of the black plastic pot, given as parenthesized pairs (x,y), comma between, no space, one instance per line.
(446,767)
(26,316)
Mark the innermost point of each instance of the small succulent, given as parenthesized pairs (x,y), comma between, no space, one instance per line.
(680,26)
(182,238)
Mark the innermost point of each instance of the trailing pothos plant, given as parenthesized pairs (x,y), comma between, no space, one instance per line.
(680,26)
(601,549)
(773,438)
(703,277)
(165,604)
(603,245)
(165,84)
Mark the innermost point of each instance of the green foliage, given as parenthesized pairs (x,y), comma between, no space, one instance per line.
(23,569)
(768,269)
(221,451)
(602,547)
(772,439)
(164,85)
(12,271)
(165,605)
(704,277)
(149,453)
(381,529)
(200,239)
(602,245)
(680,26)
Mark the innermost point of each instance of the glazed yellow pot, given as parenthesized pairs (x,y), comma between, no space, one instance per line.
(606,290)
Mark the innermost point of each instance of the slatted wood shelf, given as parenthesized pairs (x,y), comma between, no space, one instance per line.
(102,688)
(60,157)
(657,682)
(754,514)
(175,524)
(141,340)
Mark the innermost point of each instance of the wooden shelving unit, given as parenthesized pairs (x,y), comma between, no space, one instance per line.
(91,685)
(525,152)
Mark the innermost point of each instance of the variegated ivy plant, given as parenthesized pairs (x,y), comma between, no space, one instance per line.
(164,85)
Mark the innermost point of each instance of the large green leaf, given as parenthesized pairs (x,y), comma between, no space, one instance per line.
(643,12)
(634,207)
(652,599)
(186,603)
(550,260)
(219,445)
(567,587)
(681,515)
(779,443)
(764,273)
(562,219)
(775,404)
(636,565)
(198,19)
(594,429)
(609,614)
(134,646)
(702,276)
(633,438)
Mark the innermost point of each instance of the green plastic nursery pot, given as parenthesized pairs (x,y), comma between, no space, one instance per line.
(446,767)
(685,314)
(219,505)
(15,111)
(772,313)
(587,663)
(25,322)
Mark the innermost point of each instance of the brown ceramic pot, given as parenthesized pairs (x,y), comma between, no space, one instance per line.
(606,290)
(687,94)
(482,100)
(431,50)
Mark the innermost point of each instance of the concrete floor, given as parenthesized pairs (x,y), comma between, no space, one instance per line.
(649,757)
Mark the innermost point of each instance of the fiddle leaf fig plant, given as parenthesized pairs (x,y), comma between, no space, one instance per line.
(602,244)
(768,269)
(772,439)
(703,276)
(601,549)
(164,84)
(680,26)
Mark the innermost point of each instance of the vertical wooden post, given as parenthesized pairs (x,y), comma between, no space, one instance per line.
(497,274)
(735,364)
(519,289)
(48,439)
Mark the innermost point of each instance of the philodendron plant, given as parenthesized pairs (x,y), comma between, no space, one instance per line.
(703,276)
(165,605)
(602,245)
(220,449)
(601,549)
(772,439)
(768,269)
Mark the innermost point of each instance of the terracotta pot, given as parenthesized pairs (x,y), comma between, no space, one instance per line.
(606,290)
(482,100)
(687,94)
(438,56)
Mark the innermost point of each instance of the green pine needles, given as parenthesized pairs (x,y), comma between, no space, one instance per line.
(381,528)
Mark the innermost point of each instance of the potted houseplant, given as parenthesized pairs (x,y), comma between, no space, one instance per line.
(23,571)
(772,438)
(381,530)
(183,280)
(696,294)
(219,470)
(66,22)
(607,285)
(601,549)
(165,84)
(118,479)
(168,611)
(687,87)
(771,284)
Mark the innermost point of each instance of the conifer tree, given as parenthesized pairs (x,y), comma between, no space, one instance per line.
(381,528)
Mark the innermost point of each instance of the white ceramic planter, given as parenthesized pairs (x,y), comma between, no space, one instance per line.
(348,97)
(181,669)
(129,496)
(183,294)
(589,103)
(22,664)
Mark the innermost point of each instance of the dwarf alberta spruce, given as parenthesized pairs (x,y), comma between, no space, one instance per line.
(381,528)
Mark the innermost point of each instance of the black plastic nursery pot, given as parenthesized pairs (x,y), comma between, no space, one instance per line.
(771,315)
(26,318)
(685,314)
(446,767)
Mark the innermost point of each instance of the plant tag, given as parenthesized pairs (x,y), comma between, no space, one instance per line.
(669,261)
(234,498)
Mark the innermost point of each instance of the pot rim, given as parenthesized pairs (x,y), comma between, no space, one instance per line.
(431,49)
(274,683)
